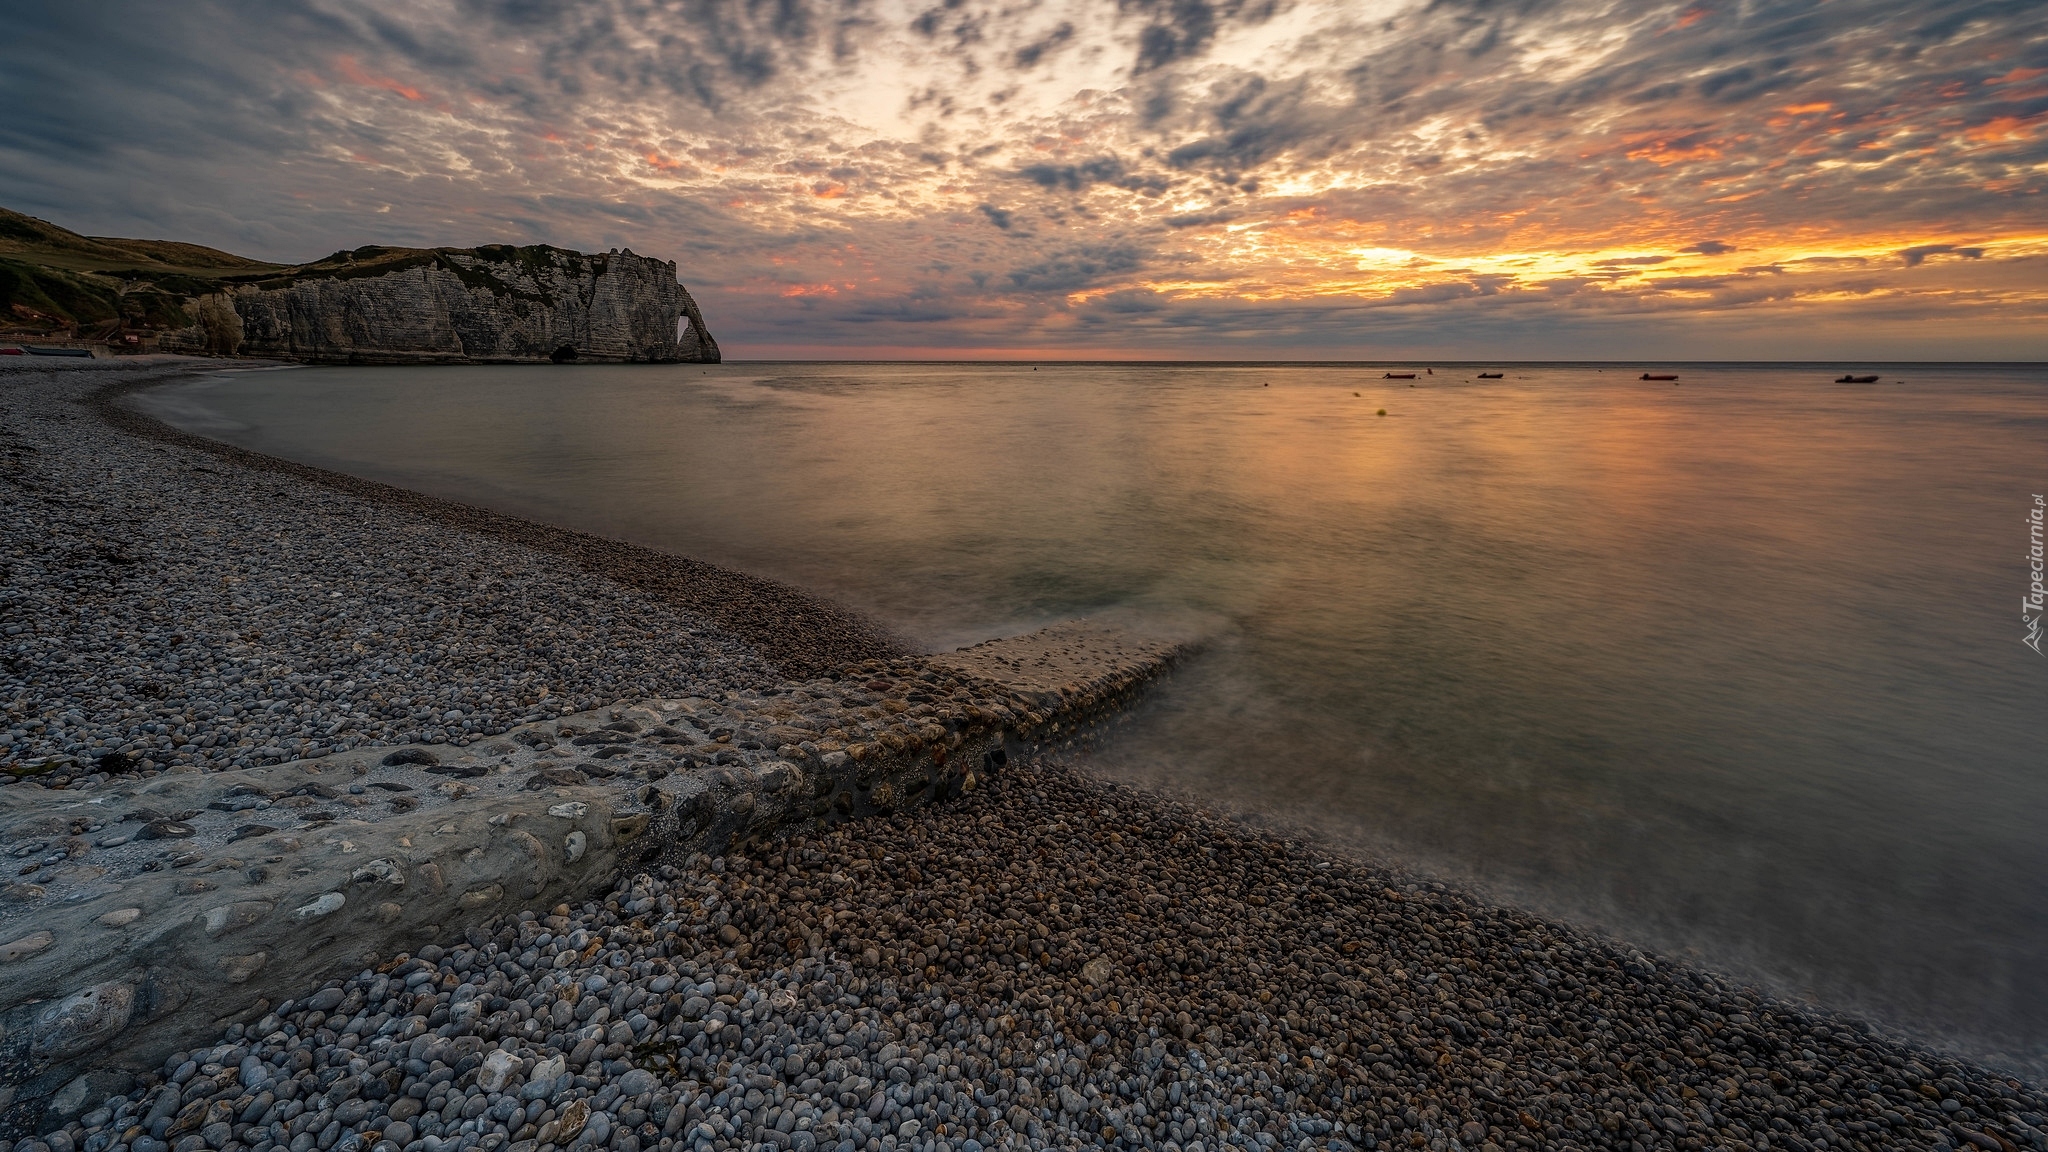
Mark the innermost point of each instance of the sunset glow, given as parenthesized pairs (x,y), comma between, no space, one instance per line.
(1278,179)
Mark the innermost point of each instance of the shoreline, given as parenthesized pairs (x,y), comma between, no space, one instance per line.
(1236,1000)
(762,611)
(451,587)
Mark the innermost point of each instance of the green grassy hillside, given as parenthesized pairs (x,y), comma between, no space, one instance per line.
(53,280)
(29,240)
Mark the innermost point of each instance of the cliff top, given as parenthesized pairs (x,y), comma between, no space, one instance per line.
(54,280)
(30,240)
(382,260)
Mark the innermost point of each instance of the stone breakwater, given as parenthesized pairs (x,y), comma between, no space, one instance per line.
(1047,961)
(495,304)
(175,900)
(154,897)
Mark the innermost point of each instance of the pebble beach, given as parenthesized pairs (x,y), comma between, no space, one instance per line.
(171,601)
(1049,960)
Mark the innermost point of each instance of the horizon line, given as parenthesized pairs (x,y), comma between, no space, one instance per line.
(1197,362)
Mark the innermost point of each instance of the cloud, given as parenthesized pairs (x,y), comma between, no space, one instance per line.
(1918,254)
(1067,173)
(1075,177)
(1180,29)
(1254,121)
(1029,55)
(1074,270)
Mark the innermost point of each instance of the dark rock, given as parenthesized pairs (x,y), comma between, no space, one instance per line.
(418,756)
(85,1092)
(83,1020)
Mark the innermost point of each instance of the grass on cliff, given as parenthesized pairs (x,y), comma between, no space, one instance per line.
(52,278)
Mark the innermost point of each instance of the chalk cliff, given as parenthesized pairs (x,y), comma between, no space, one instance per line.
(372,305)
(494,304)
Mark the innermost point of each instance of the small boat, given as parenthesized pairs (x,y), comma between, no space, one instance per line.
(33,350)
(1651,376)
(1398,376)
(12,352)
(1857,380)
(1490,375)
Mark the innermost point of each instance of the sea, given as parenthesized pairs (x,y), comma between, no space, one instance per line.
(1734,667)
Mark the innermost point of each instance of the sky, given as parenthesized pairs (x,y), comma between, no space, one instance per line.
(1211,179)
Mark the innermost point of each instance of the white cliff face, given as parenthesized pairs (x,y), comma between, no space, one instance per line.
(494,304)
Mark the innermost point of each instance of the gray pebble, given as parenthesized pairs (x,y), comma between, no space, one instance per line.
(1048,961)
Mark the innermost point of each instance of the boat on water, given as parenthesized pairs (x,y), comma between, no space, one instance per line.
(1656,376)
(1490,375)
(34,350)
(1857,380)
(1398,376)
(12,352)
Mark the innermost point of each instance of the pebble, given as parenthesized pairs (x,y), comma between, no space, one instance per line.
(1050,961)
(136,639)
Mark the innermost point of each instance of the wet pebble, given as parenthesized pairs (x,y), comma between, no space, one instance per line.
(167,606)
(1050,961)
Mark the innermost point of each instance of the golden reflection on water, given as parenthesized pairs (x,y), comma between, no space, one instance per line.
(1728,666)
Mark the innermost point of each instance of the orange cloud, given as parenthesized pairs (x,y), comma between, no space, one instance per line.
(1662,152)
(2005,129)
(354,74)
(1692,17)
(810,290)
(1806,109)
(664,164)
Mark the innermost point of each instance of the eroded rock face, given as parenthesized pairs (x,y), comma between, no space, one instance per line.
(495,304)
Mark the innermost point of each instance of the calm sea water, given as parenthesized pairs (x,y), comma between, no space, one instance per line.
(1731,667)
